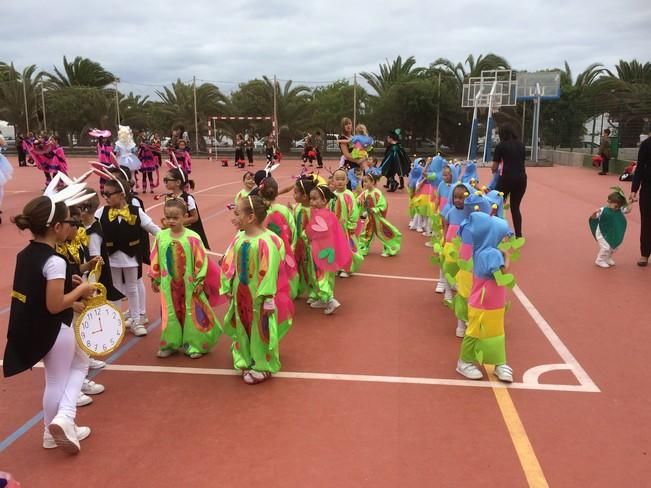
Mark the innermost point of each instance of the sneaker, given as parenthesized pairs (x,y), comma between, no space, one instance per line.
(49,443)
(127,316)
(195,355)
(65,435)
(165,353)
(83,400)
(384,254)
(504,373)
(461,329)
(440,287)
(429,244)
(447,294)
(419,229)
(602,264)
(469,370)
(96,364)
(610,261)
(91,388)
(318,304)
(138,328)
(252,377)
(427,233)
(333,305)
(343,274)
(144,319)
(310,301)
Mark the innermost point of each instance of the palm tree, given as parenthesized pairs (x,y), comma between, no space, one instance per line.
(391,73)
(14,89)
(134,110)
(472,67)
(80,72)
(177,106)
(626,96)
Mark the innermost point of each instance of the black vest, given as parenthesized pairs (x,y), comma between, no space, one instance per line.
(145,245)
(105,277)
(120,236)
(32,329)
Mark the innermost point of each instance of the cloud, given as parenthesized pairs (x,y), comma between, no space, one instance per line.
(150,42)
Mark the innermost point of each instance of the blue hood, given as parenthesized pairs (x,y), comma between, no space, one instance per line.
(496,198)
(470,173)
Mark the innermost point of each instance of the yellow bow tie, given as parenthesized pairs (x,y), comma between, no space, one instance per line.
(81,238)
(114,213)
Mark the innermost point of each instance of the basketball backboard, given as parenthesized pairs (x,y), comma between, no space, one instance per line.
(546,84)
(495,88)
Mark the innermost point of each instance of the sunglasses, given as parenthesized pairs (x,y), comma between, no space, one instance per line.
(74,223)
(107,194)
(167,180)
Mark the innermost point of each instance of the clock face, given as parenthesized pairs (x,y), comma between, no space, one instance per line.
(100,330)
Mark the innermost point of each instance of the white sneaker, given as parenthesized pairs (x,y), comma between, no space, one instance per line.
(96,364)
(504,373)
(49,443)
(385,254)
(440,287)
(333,305)
(610,261)
(126,315)
(602,264)
(419,229)
(318,304)
(138,329)
(144,319)
(83,400)
(343,274)
(461,328)
(91,388)
(429,244)
(165,353)
(469,370)
(427,233)
(65,435)
(310,301)
(447,294)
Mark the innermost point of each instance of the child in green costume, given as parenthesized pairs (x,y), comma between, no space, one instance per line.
(608,226)
(178,269)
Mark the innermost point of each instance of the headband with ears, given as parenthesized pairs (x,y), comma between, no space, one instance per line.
(175,165)
(100,170)
(73,193)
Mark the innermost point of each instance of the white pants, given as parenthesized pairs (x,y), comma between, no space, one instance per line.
(66,366)
(605,251)
(128,287)
(142,296)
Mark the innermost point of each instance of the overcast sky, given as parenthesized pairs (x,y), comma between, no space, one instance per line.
(154,42)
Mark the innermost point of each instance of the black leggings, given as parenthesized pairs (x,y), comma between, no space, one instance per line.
(645,217)
(515,189)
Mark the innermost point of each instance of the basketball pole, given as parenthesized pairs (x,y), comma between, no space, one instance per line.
(196,122)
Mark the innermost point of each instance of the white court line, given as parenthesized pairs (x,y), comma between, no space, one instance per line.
(581,375)
(359,378)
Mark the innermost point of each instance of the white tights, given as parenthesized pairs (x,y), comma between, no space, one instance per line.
(129,287)
(66,366)
(142,296)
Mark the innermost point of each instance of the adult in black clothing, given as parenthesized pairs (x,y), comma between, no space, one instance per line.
(513,179)
(604,152)
(642,183)
(22,154)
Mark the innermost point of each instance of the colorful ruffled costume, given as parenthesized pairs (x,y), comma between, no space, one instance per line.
(250,270)
(375,207)
(346,209)
(281,222)
(362,146)
(178,266)
(303,254)
(484,341)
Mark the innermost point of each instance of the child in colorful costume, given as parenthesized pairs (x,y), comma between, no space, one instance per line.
(250,270)
(608,226)
(302,252)
(419,203)
(484,340)
(6,171)
(475,202)
(329,248)
(345,207)
(179,266)
(249,185)
(362,143)
(375,207)
(125,149)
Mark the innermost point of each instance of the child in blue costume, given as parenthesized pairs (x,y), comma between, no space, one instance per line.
(484,341)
